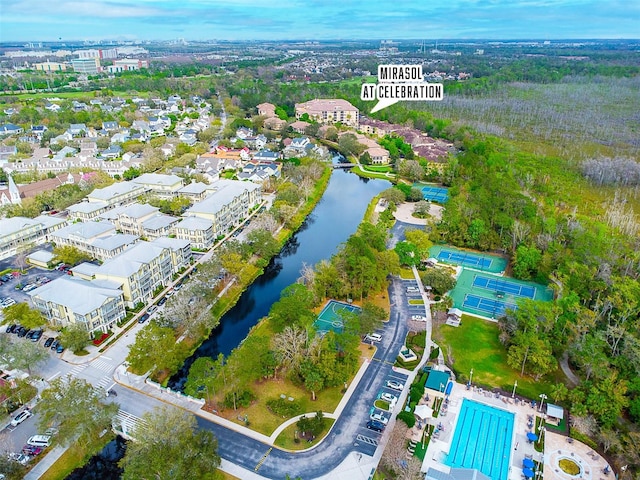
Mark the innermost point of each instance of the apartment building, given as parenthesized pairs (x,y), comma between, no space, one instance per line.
(66,300)
(50,66)
(180,249)
(165,186)
(326,110)
(197,231)
(17,233)
(139,271)
(121,193)
(228,205)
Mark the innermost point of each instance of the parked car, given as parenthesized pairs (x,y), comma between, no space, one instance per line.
(39,440)
(23,332)
(419,318)
(36,335)
(29,287)
(59,348)
(55,344)
(395,385)
(11,328)
(48,342)
(32,450)
(21,458)
(143,318)
(162,301)
(21,417)
(152,309)
(375,425)
(387,397)
(378,417)
(373,337)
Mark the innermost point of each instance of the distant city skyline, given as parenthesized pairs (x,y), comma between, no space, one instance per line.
(77,20)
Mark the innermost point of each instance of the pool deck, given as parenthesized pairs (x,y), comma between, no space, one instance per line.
(556,445)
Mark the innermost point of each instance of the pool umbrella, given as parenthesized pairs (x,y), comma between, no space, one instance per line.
(527,472)
(528,463)
(532,436)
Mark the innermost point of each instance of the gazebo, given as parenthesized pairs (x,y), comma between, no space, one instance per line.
(555,413)
(423,412)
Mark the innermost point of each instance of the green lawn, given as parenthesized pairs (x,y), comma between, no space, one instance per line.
(475,345)
(287,437)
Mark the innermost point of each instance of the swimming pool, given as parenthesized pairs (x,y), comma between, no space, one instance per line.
(482,440)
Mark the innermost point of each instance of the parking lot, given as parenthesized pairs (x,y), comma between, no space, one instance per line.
(11,288)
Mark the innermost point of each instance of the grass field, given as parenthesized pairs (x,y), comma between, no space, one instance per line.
(475,345)
(286,439)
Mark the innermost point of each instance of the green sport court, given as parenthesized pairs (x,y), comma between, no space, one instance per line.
(330,318)
(490,296)
(478,261)
(433,193)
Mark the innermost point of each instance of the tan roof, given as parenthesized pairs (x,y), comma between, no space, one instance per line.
(326,105)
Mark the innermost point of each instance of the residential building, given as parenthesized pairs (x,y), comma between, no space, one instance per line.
(87,66)
(161,185)
(121,193)
(6,151)
(197,231)
(139,271)
(96,305)
(196,191)
(228,206)
(80,235)
(17,233)
(87,211)
(10,129)
(329,111)
(129,218)
(267,109)
(181,255)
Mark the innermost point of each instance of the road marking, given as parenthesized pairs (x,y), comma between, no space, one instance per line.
(53,376)
(103,366)
(106,358)
(264,457)
(368,440)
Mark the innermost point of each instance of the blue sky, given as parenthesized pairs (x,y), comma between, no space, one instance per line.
(317,19)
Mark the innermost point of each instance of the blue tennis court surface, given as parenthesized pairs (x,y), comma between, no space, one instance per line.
(504,286)
(482,440)
(465,259)
(487,305)
(435,194)
(330,318)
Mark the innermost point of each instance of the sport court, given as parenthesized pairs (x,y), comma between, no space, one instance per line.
(489,295)
(434,194)
(482,440)
(478,261)
(330,318)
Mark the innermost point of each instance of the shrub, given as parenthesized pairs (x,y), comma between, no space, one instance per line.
(284,408)
(408,418)
(243,398)
(415,392)
(423,379)
(434,353)
(313,425)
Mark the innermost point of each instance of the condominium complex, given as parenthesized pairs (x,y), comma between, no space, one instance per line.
(228,206)
(17,233)
(329,111)
(95,304)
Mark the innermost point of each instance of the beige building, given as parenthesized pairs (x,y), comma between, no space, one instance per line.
(121,193)
(228,206)
(165,186)
(329,111)
(198,231)
(267,109)
(50,66)
(139,271)
(17,233)
(94,304)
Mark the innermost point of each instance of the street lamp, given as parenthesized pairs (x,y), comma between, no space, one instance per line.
(515,385)
(543,397)
(470,376)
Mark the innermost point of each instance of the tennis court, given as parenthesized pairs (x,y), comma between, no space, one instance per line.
(477,294)
(501,285)
(487,305)
(435,194)
(330,318)
(479,261)
(465,259)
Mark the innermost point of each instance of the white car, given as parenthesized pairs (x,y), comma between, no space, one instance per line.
(379,417)
(395,385)
(419,318)
(21,417)
(373,337)
(387,397)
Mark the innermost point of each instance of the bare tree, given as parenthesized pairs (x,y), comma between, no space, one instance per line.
(519,231)
(290,346)
(396,450)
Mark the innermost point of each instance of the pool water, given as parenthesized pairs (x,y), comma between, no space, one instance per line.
(482,440)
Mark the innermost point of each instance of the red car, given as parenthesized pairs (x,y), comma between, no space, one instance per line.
(31,450)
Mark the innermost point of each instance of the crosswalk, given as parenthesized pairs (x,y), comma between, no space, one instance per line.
(75,371)
(102,365)
(105,381)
